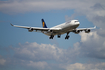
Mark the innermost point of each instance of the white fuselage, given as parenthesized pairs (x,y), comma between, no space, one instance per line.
(64,28)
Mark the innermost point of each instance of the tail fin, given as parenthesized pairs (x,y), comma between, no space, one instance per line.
(44,24)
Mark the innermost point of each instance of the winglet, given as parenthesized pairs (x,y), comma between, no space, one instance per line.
(11,24)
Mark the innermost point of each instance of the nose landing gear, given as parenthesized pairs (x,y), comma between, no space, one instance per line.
(67,37)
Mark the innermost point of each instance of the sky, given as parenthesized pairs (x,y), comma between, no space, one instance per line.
(23,50)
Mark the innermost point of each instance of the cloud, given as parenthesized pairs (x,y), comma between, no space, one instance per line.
(21,6)
(93,10)
(39,52)
(17,6)
(2,61)
(92,44)
(39,65)
(98,6)
(39,56)
(75,66)
(47,56)
(80,66)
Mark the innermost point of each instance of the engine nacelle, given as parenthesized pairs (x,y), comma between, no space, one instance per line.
(30,30)
(87,31)
(77,32)
(49,30)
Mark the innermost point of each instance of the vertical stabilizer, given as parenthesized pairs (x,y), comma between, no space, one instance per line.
(44,24)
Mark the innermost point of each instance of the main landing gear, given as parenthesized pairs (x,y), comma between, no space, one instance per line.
(51,37)
(67,36)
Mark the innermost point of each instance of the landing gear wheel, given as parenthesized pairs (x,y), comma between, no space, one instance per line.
(67,37)
(59,36)
(51,37)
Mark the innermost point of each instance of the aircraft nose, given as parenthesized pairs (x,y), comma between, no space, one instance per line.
(77,23)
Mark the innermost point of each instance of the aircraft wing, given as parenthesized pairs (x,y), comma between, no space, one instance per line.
(36,28)
(87,30)
(83,29)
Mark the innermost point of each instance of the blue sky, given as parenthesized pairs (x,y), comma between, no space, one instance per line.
(20,49)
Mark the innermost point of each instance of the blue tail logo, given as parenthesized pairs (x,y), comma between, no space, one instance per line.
(44,24)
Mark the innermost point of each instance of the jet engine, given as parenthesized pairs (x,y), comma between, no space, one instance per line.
(87,30)
(49,30)
(30,29)
(76,31)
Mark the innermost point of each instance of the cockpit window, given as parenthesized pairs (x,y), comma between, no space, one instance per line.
(76,21)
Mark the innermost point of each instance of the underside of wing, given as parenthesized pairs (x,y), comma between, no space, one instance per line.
(87,30)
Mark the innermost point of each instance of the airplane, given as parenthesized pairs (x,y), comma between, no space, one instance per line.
(58,30)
